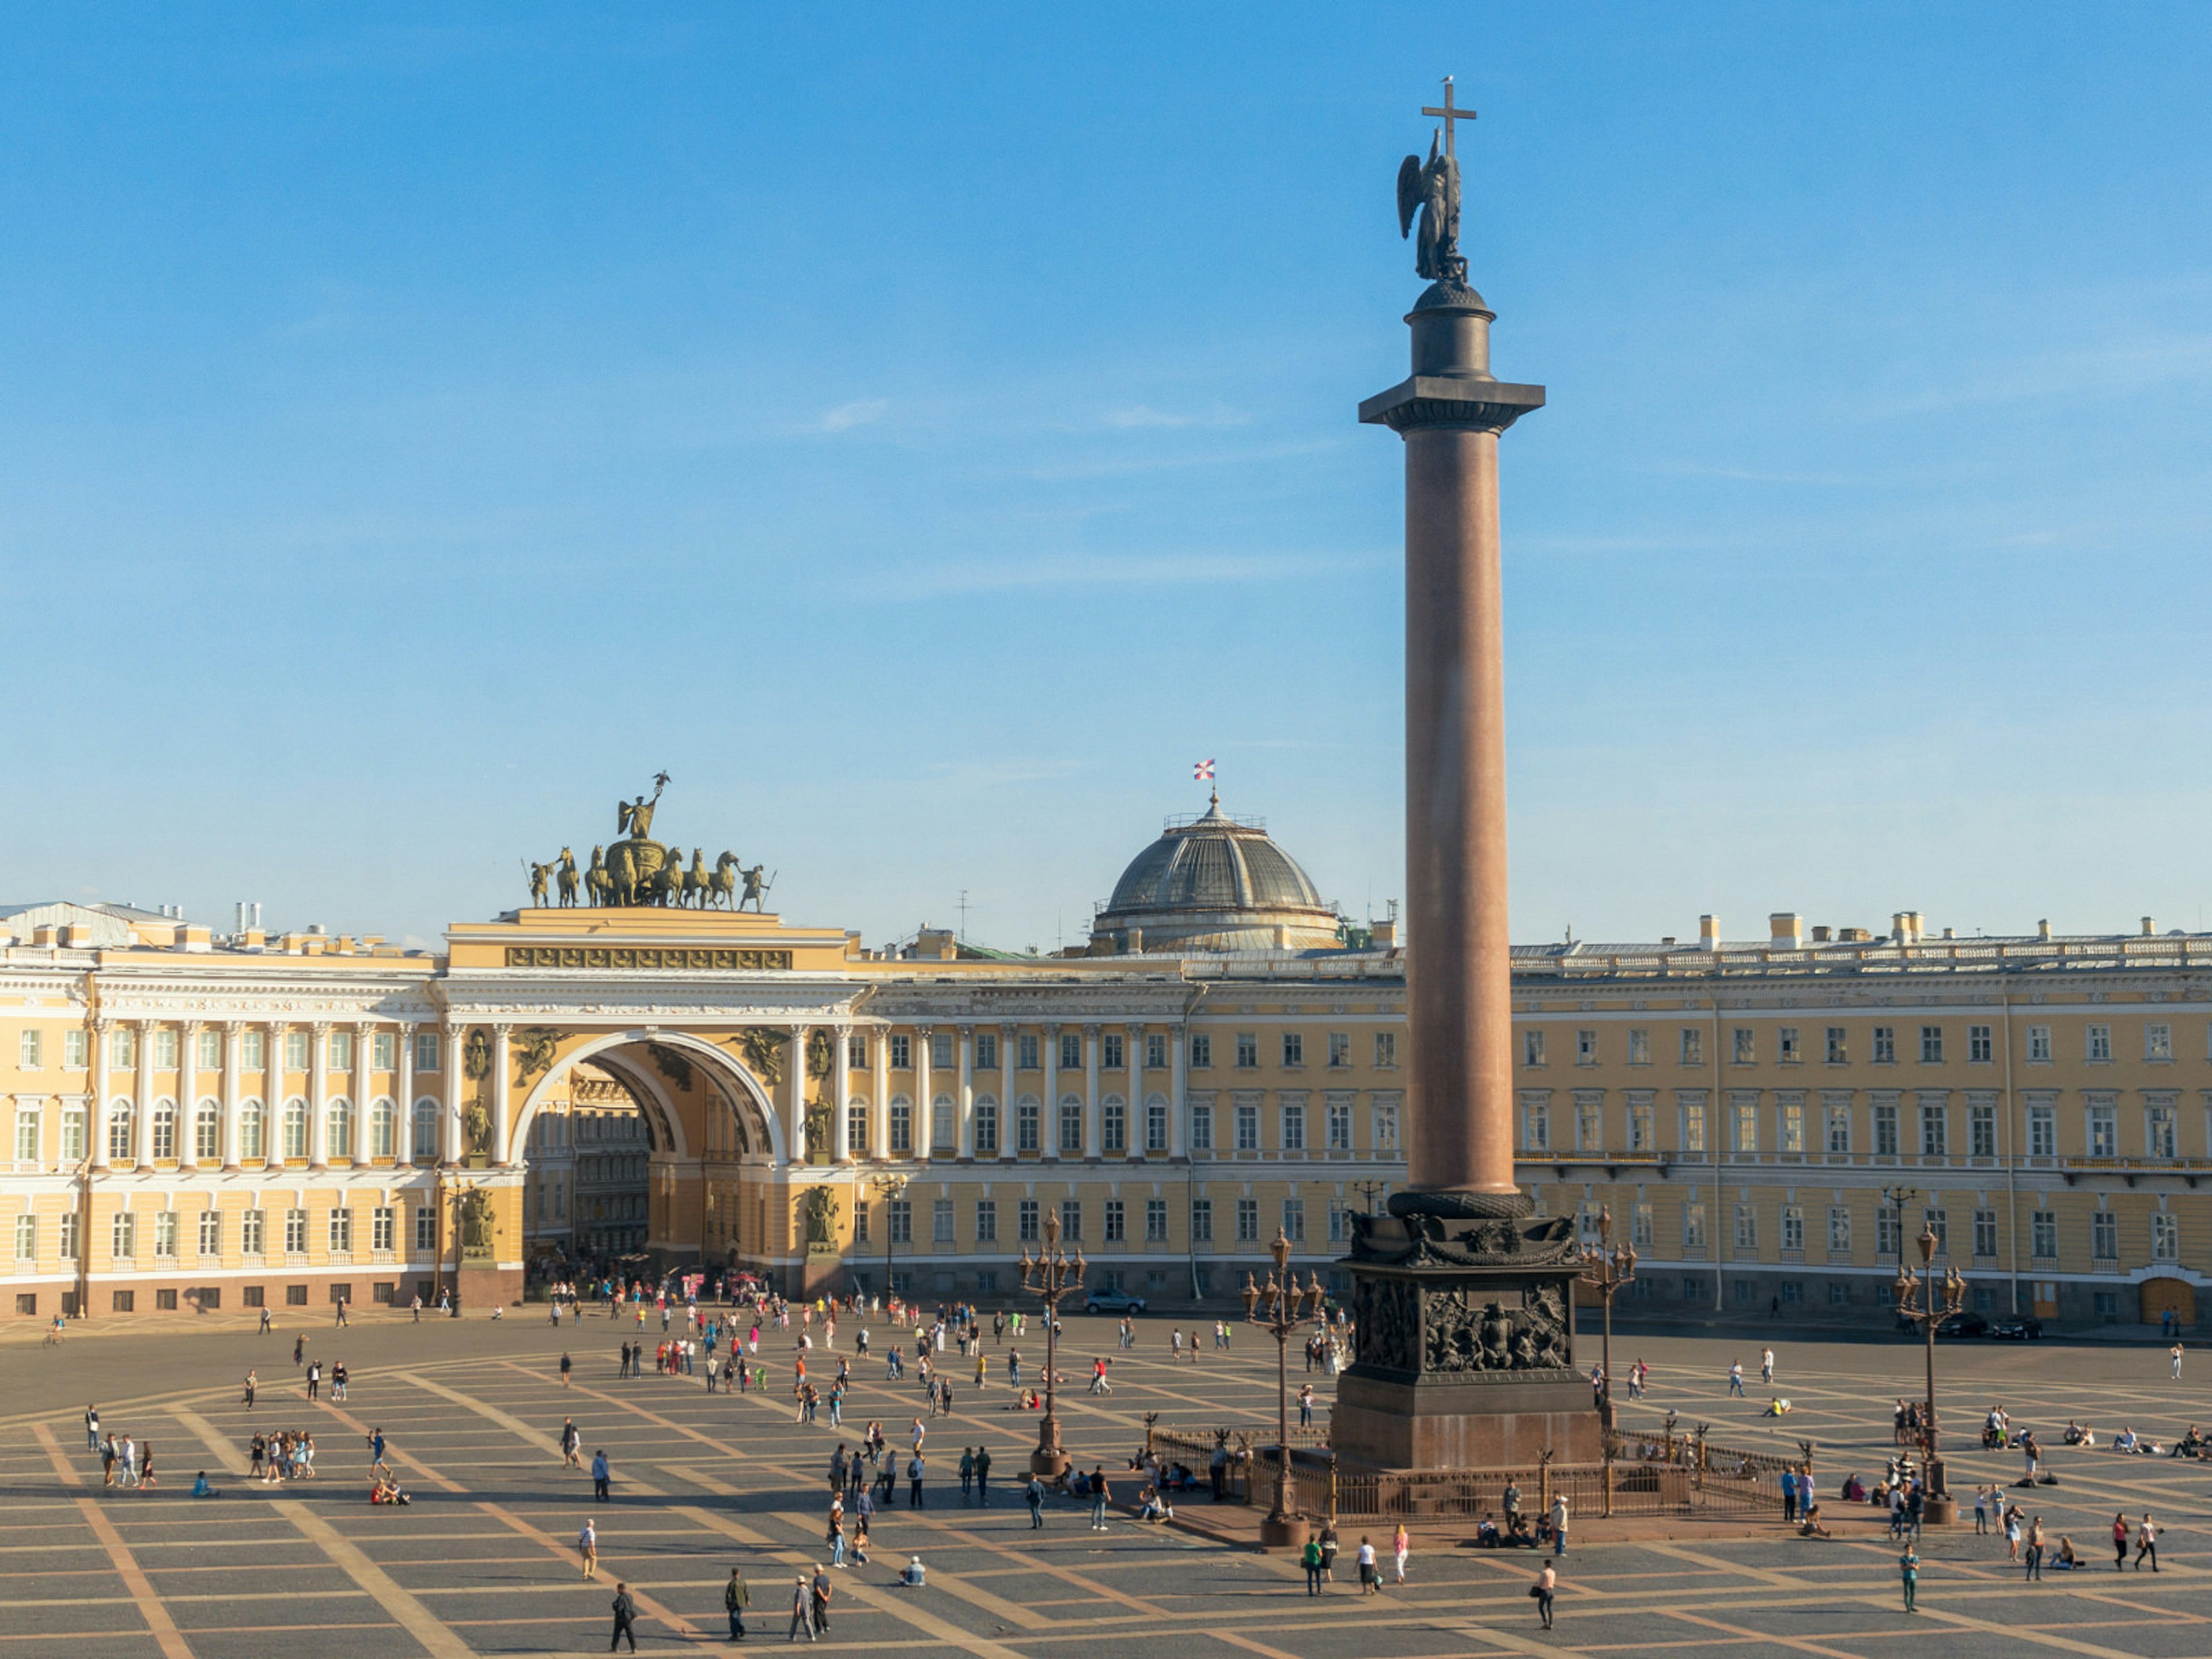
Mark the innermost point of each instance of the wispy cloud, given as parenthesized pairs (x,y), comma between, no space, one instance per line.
(845,417)
(1072,570)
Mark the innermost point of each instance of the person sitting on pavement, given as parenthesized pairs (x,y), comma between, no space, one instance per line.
(1777,1407)
(1152,1507)
(1854,1491)
(201,1489)
(1810,1527)
(1486,1534)
(2064,1559)
(911,1576)
(2126,1442)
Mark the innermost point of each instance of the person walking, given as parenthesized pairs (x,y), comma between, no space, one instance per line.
(252,1384)
(315,1380)
(2175,1353)
(564,1369)
(1311,1557)
(1099,1494)
(1401,1545)
(983,1477)
(1559,1524)
(1033,1495)
(587,1548)
(1982,1509)
(2147,1544)
(601,1479)
(1908,1567)
(802,1610)
(1546,1587)
(1736,1378)
(92,1428)
(2119,1540)
(1766,1367)
(914,1481)
(625,1612)
(821,1593)
(342,1313)
(1370,1579)
(572,1441)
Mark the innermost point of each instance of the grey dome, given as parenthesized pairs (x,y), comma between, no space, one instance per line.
(1214,883)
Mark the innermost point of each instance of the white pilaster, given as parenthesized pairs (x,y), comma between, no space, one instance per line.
(1091,1091)
(1009,1036)
(1133,1051)
(499,1120)
(1049,1130)
(794,1071)
(188,1090)
(840,1080)
(233,1061)
(879,1134)
(364,1087)
(925,1087)
(1178,1115)
(319,1078)
(102,1033)
(455,1038)
(965,1135)
(141,1139)
(402,1132)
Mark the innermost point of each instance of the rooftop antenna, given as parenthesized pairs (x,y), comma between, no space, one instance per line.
(964,915)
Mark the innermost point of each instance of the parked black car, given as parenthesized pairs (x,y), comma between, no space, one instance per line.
(1963,1323)
(2021,1329)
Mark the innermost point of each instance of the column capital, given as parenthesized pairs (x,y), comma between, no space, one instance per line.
(409,1027)
(1050,1028)
(1010,1028)
(103,1023)
(503,1030)
(321,1028)
(235,1027)
(1092,1028)
(1135,1028)
(965,1031)
(366,1024)
(922,1030)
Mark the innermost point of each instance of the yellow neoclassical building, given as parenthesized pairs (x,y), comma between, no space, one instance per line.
(257,1119)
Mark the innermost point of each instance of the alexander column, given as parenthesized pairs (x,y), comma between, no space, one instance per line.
(1465,1354)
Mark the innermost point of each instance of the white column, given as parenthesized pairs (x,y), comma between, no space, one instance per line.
(272,1096)
(1178,1134)
(142,1141)
(879,1134)
(499,1121)
(1008,1037)
(403,1131)
(965,1135)
(1091,1091)
(841,1079)
(233,1059)
(319,1078)
(455,1038)
(364,1087)
(924,1086)
(795,1074)
(1133,1051)
(1049,1130)
(102,1030)
(188,1089)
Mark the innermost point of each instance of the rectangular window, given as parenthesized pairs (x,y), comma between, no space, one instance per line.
(1156,1221)
(73,1133)
(2104,1131)
(2158,1041)
(253,1050)
(1590,1122)
(1026,1220)
(1986,1234)
(1386,1126)
(1532,1048)
(1981,1044)
(1786,1046)
(987,1126)
(1339,1126)
(1071,1052)
(1294,1219)
(1201,1050)
(1202,1126)
(2043,1131)
(1693,1226)
(1156,1126)
(426,1050)
(383,1051)
(28,1050)
(2104,1236)
(27,1135)
(1294,1126)
(1885,1045)
(76,1049)
(856,1053)
(1931,1045)
(1793,1126)
(1939,1223)
(1339,1050)
(210,1232)
(1839,1231)
(1248,1128)
(1116,1221)
(1639,1125)
(122,1047)
(1747,1228)
(1201,1221)
(1026,1052)
(1934,1131)
(341,1230)
(425,1231)
(1838,1112)
(1640,1046)
(1693,1045)
(26,1238)
(72,1239)
(2043,1234)
(341,1051)
(2158,1132)
(123,1236)
(1885,1128)
(1693,1127)
(859,1223)
(1535,1123)
(2039,1044)
(900,1216)
(1156,1052)
(254,1230)
(1294,1048)
(902,1052)
(1071,1218)
(1248,1221)
(1745,1045)
(1888,1231)
(2165,1237)
(1838,1046)
(1115,1117)
(901,1127)
(165,1048)
(1339,1228)
(1071,1128)
(1639,1226)
(1793,1227)
(1586,1048)
(295,1051)
(1386,1050)
(1112,1058)
(940,1221)
(383,1224)
(1747,1123)
(940,1050)
(1982,1129)
(2101,1043)
(987,1052)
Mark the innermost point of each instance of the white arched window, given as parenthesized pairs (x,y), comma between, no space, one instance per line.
(1071,1125)
(120,1124)
(943,1123)
(426,1132)
(383,1130)
(250,1130)
(340,1143)
(1156,1123)
(1025,1124)
(296,1130)
(856,1125)
(1116,1117)
(165,1130)
(987,1126)
(207,1133)
(902,1124)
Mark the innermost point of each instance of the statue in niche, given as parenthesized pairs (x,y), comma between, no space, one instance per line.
(818,1213)
(475,1220)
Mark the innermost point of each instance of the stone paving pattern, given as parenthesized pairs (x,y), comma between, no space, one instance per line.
(483,1562)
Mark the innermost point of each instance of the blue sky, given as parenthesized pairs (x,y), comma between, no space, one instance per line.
(925,431)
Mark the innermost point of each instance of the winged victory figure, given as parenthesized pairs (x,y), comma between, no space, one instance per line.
(1432,191)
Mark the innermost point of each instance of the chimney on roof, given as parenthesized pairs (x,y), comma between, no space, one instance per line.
(1386,934)
(2043,929)
(1709,933)
(2149,927)
(255,920)
(1900,925)
(1819,936)
(1785,930)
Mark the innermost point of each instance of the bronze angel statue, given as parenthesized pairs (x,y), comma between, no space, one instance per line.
(1432,192)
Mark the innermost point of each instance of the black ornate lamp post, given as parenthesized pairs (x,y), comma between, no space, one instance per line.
(1051,1274)
(1944,1298)
(1278,1307)
(1605,1268)
(1370,1190)
(890,1185)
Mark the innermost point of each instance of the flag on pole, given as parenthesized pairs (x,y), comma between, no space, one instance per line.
(1203,772)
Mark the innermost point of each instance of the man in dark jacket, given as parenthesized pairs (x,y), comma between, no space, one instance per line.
(736,1598)
(821,1593)
(625,1619)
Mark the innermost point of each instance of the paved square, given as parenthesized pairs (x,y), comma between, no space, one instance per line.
(484,1560)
